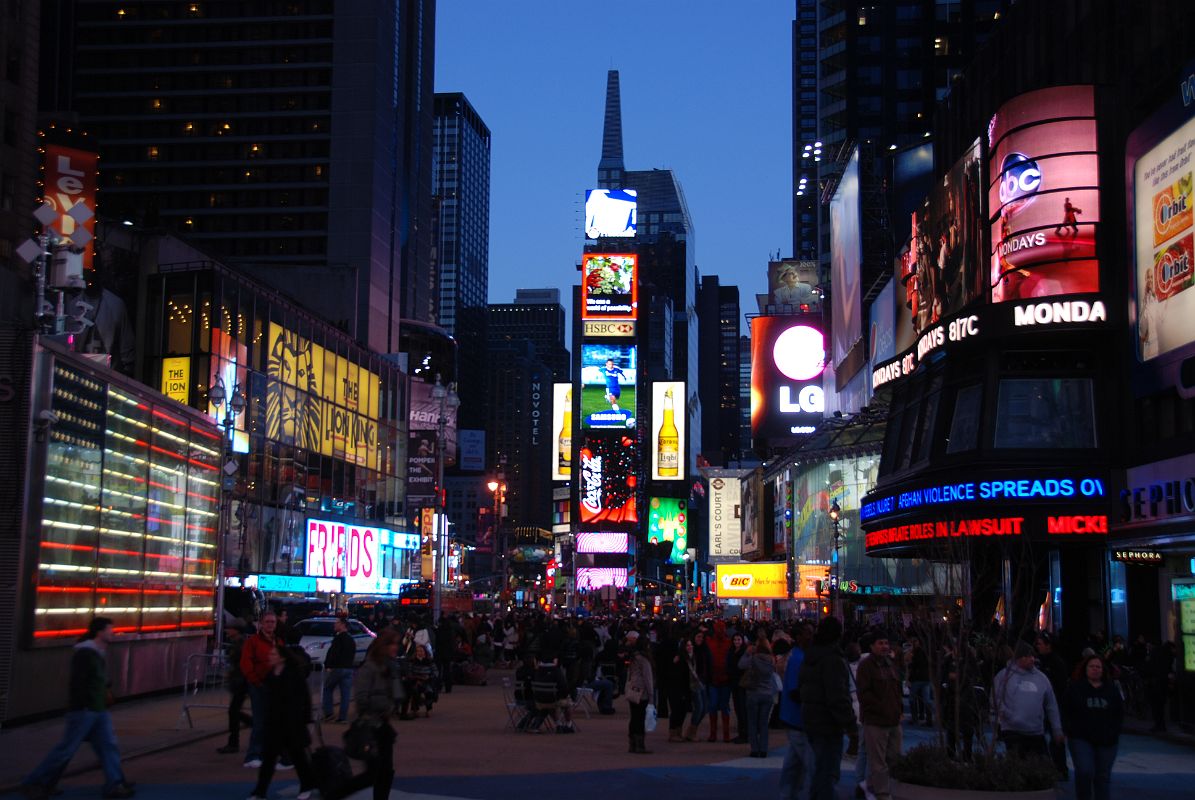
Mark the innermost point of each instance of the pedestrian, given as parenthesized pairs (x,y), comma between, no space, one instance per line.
(287,713)
(640,689)
(1159,671)
(1092,717)
(880,706)
(373,694)
(338,670)
(719,684)
(697,691)
(921,700)
(447,639)
(757,668)
(87,719)
(826,705)
(255,666)
(419,681)
(679,687)
(738,693)
(238,689)
(1051,664)
(1024,702)
(795,771)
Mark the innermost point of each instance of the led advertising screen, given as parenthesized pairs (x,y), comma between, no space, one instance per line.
(881,325)
(793,285)
(610,212)
(752,515)
(562,431)
(609,287)
(1162,238)
(946,254)
(602,542)
(667,431)
(846,258)
(1044,195)
(70,178)
(592,578)
(725,514)
(668,521)
(608,376)
(607,480)
(766,581)
(229,359)
(370,560)
(788,356)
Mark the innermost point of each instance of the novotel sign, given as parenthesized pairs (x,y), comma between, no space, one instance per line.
(1051,488)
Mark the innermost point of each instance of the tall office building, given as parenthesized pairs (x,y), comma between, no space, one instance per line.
(292,138)
(18,155)
(535,316)
(518,425)
(718,333)
(805,137)
(745,445)
(461,186)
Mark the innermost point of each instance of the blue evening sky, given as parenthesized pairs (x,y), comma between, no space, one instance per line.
(706,92)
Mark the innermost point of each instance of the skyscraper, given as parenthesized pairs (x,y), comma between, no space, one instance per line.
(461,185)
(718,324)
(293,139)
(536,316)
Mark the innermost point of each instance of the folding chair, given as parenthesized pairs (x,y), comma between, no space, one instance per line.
(547,704)
(585,701)
(516,712)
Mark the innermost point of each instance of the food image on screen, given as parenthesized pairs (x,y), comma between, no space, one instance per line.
(610,212)
(608,392)
(608,287)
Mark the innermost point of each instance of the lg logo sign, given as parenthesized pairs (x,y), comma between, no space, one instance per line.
(800,355)
(811,400)
(1020,177)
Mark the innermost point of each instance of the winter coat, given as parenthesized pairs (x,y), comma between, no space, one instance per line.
(640,681)
(89,677)
(1024,700)
(825,692)
(373,690)
(255,658)
(342,652)
(760,667)
(790,698)
(880,698)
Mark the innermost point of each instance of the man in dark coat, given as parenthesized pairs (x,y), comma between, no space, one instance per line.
(826,710)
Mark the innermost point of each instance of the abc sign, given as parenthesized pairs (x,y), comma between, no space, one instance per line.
(737,583)
(1019,177)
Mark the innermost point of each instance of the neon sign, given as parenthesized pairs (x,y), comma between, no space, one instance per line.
(973,491)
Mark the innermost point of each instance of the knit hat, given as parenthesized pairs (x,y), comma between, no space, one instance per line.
(1023,650)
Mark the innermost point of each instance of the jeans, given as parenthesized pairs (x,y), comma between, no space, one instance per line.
(635,727)
(861,760)
(759,711)
(82,725)
(284,743)
(921,701)
(334,678)
(257,702)
(1093,768)
(603,692)
(738,701)
(1025,744)
(719,699)
(827,765)
(795,772)
(236,717)
(700,699)
(883,748)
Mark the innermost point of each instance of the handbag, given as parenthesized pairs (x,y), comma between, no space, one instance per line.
(361,739)
(777,682)
(649,719)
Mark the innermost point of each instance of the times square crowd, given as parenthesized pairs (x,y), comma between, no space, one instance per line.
(826,691)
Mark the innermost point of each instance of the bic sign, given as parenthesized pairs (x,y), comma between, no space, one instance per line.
(741,583)
(762,581)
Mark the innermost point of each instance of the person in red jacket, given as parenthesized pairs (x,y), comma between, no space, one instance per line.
(719,688)
(255,665)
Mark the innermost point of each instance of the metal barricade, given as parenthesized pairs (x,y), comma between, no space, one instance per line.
(204,682)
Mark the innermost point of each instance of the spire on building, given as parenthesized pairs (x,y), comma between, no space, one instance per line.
(611,168)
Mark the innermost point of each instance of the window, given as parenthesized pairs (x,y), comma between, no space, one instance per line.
(1045,413)
(964,426)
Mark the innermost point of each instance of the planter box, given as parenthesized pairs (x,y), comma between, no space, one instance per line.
(911,791)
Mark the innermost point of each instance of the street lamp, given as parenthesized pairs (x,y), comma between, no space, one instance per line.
(688,556)
(498,490)
(233,405)
(449,400)
(835,517)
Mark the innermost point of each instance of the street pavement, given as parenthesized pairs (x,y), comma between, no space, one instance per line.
(465,750)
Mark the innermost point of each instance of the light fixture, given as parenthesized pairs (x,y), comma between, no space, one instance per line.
(835,511)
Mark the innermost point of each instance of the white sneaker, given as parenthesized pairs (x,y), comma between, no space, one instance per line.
(252,763)
(285,765)
(304,795)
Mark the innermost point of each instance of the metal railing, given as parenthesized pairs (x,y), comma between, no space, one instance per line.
(204,673)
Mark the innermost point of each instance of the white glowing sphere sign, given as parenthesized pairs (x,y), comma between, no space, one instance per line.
(800,353)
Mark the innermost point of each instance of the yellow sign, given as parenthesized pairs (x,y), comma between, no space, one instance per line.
(807,577)
(321,401)
(176,378)
(622,329)
(766,581)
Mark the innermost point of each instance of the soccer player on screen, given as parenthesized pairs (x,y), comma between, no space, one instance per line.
(613,390)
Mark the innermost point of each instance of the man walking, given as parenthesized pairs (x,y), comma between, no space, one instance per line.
(338,670)
(880,702)
(255,665)
(794,773)
(1024,700)
(87,720)
(826,705)
(238,690)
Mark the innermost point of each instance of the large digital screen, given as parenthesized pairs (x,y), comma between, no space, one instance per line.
(668,521)
(667,431)
(793,284)
(229,370)
(607,480)
(608,377)
(70,178)
(609,287)
(592,578)
(610,212)
(946,256)
(846,259)
(370,560)
(562,431)
(602,542)
(788,356)
(757,581)
(1043,196)
(725,512)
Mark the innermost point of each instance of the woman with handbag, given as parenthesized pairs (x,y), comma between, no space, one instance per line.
(640,689)
(370,737)
(757,669)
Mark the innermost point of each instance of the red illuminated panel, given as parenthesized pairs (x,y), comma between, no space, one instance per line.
(928,531)
(1077,525)
(70,179)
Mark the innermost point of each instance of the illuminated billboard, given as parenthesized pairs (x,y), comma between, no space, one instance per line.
(766,581)
(947,265)
(668,521)
(609,287)
(608,377)
(229,370)
(607,480)
(562,431)
(752,515)
(725,514)
(602,542)
(1043,195)
(846,259)
(370,560)
(793,283)
(788,356)
(610,212)
(592,578)
(1162,241)
(667,440)
(70,178)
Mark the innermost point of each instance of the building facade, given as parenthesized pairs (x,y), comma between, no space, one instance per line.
(535,316)
(718,316)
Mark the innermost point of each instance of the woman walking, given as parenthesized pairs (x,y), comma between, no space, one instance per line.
(640,689)
(1092,718)
(373,693)
(287,712)
(757,669)
(693,653)
(738,693)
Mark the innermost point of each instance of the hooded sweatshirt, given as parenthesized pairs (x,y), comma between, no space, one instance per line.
(1093,714)
(1024,699)
(89,677)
